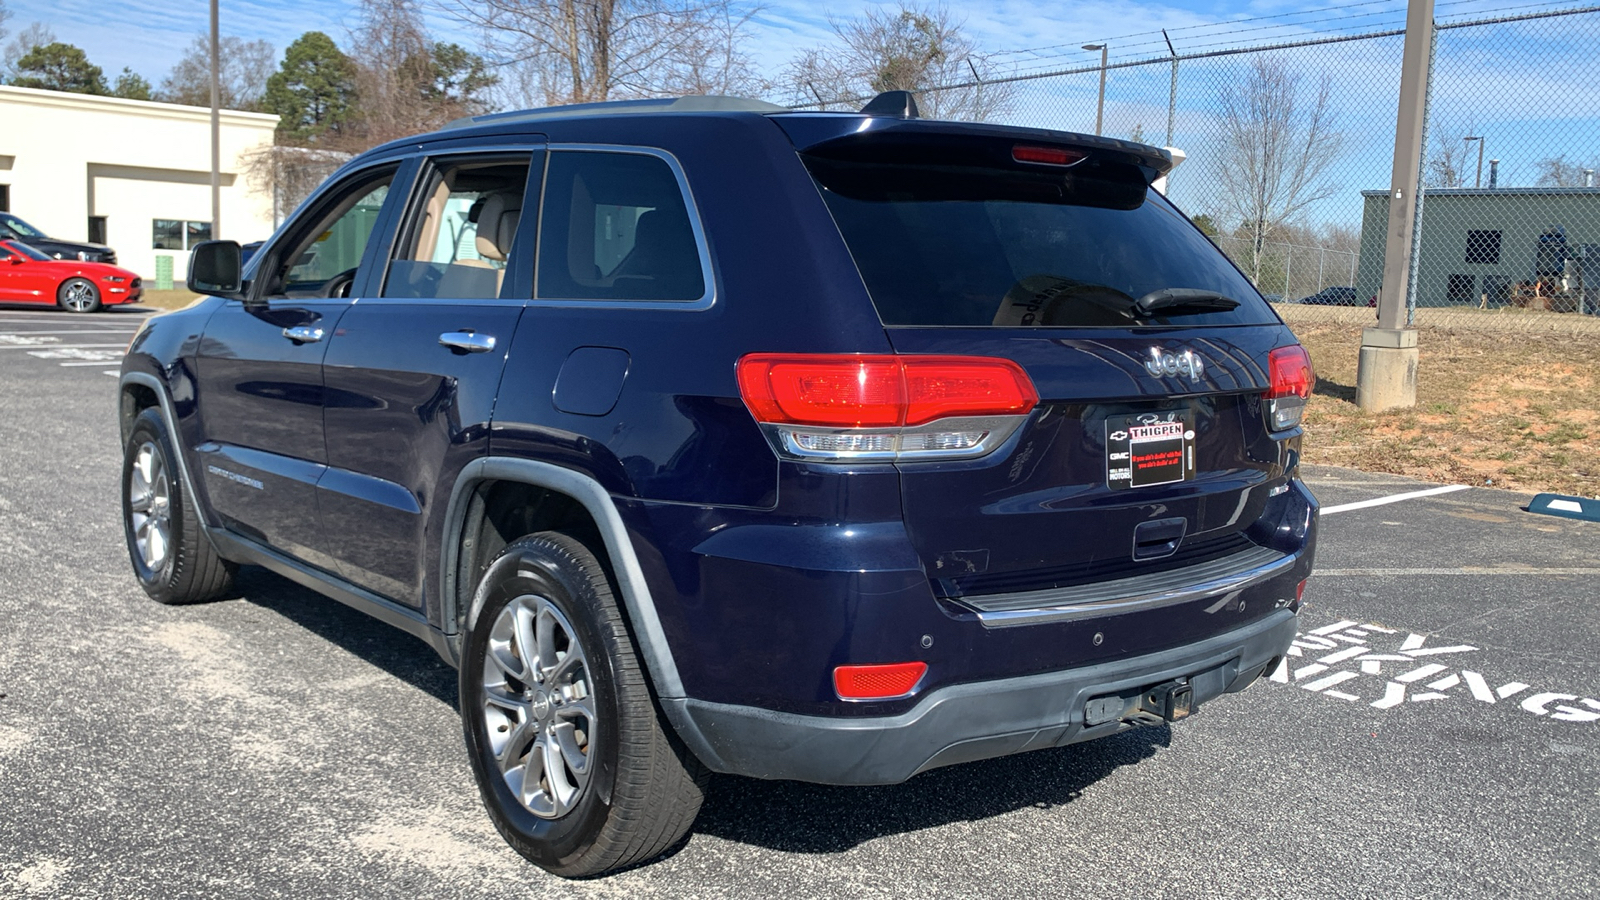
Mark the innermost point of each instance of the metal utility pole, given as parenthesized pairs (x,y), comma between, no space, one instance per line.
(1478,182)
(216,129)
(1100,108)
(1172,94)
(1386,374)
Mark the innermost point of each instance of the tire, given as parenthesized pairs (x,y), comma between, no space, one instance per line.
(171,557)
(615,787)
(78,295)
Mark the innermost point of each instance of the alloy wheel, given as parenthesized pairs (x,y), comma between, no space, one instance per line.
(150,506)
(538,706)
(80,296)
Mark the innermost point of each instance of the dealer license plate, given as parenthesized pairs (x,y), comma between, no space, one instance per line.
(1149,449)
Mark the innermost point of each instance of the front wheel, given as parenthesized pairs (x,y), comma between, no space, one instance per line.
(78,295)
(575,765)
(171,556)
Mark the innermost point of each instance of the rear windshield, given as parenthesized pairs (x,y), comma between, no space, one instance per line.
(981,246)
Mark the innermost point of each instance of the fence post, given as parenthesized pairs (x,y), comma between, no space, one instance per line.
(1386,374)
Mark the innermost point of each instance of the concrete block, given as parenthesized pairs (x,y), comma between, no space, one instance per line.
(1386,373)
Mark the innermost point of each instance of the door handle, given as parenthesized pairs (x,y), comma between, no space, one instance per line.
(469,341)
(303,334)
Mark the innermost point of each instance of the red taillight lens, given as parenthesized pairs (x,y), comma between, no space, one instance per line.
(1291,372)
(1050,156)
(882,682)
(1292,380)
(880,391)
(842,391)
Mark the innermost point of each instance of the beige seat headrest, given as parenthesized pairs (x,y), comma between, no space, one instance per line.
(497,225)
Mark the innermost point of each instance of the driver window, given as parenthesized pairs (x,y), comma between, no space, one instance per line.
(461,231)
(322,262)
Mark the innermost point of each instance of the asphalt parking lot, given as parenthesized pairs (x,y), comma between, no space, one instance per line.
(1436,736)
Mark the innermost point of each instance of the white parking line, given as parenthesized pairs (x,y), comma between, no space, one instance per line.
(1393,498)
(60,346)
(97,362)
(127,331)
(1465,570)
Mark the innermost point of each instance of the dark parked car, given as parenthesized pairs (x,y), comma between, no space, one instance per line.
(13,228)
(1332,296)
(701,435)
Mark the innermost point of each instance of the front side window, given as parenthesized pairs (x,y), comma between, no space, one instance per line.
(615,227)
(321,259)
(459,240)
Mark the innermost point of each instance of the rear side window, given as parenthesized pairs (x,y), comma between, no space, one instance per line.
(615,227)
(970,246)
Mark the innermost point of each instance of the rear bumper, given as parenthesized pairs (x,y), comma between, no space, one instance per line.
(966,722)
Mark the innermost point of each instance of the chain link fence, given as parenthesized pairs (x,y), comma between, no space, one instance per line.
(1287,128)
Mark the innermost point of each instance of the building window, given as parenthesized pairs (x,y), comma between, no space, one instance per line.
(177,234)
(97,229)
(1483,247)
(1459,289)
(5,198)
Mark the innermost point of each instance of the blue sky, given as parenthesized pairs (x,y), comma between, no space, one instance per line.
(149,35)
(1530,105)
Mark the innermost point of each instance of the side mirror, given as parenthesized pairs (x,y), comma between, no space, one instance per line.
(16,260)
(215,268)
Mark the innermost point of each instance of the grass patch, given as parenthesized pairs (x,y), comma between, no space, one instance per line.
(174,299)
(1520,413)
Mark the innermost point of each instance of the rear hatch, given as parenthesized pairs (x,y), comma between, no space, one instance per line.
(1149,449)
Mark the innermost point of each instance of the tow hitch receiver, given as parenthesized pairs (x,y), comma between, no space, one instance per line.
(1171,701)
(1165,702)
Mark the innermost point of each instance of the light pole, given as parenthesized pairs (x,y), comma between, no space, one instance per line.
(1478,183)
(1100,108)
(216,132)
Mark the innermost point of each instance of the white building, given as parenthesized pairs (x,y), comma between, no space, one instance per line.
(129,173)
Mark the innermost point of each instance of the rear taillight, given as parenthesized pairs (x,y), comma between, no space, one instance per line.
(881,682)
(1291,386)
(1049,156)
(847,407)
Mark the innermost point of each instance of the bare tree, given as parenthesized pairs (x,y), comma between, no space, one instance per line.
(1278,143)
(5,15)
(405,82)
(585,51)
(36,34)
(1451,162)
(1559,171)
(242,79)
(392,54)
(914,48)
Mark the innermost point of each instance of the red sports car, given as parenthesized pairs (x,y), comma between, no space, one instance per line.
(29,276)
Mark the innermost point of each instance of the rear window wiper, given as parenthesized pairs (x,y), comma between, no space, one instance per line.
(1183,301)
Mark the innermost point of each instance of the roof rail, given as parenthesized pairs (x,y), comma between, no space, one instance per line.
(691,104)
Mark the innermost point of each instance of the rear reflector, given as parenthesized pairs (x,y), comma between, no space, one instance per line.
(881,682)
(1050,156)
(1292,380)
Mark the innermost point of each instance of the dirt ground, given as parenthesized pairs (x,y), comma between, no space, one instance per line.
(1511,411)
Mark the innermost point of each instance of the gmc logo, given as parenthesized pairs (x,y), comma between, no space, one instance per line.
(1162,363)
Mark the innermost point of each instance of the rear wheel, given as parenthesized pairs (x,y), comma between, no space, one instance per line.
(576,767)
(78,295)
(171,556)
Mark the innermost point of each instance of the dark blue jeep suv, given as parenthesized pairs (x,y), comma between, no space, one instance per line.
(705,436)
